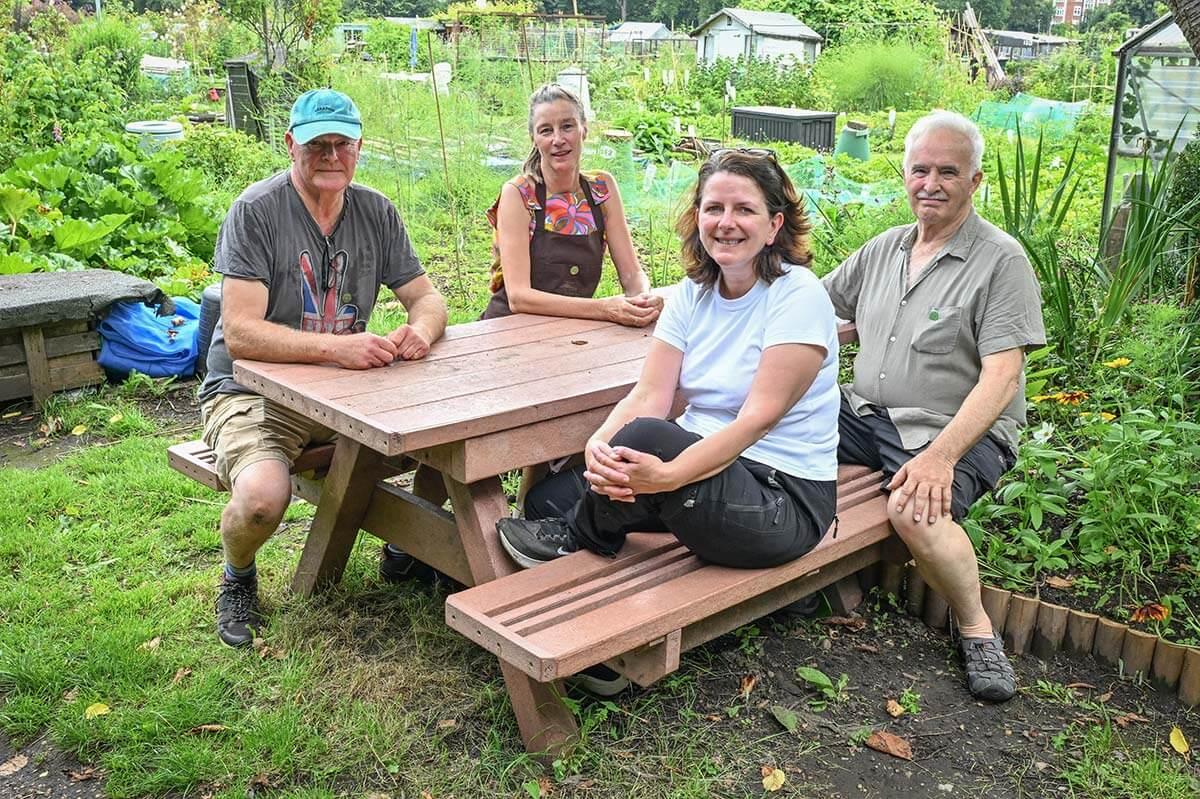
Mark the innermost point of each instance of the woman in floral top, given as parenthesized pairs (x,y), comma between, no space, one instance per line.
(552,225)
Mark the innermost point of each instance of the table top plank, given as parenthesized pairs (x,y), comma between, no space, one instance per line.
(465,339)
(482,372)
(461,418)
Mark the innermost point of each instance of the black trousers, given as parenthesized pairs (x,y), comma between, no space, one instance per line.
(747,516)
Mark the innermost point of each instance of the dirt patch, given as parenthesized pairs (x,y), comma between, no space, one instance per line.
(41,770)
(960,747)
(26,442)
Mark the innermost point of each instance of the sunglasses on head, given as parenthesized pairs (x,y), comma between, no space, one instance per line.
(757,152)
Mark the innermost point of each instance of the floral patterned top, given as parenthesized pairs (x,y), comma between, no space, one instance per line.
(567,213)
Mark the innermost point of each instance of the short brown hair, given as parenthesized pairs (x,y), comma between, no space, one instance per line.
(791,242)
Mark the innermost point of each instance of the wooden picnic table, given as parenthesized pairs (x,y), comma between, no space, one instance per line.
(490,397)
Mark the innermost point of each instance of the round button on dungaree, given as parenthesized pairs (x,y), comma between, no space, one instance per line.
(574,270)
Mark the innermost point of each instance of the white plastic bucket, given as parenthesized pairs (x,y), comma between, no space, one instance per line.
(152,133)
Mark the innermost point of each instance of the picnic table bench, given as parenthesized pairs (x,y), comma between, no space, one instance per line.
(497,395)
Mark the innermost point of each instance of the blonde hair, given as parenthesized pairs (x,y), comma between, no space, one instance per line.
(550,93)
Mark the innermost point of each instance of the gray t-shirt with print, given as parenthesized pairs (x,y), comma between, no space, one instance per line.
(317,283)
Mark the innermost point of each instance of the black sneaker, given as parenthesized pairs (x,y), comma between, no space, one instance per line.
(989,674)
(395,568)
(531,543)
(238,616)
(599,680)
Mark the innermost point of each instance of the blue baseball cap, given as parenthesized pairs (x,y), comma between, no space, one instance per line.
(322,111)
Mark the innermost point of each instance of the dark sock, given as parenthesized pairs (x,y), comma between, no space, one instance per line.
(243,574)
(393,551)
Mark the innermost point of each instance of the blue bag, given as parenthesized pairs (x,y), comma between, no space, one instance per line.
(134,336)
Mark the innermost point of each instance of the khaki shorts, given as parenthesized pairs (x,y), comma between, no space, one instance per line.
(245,428)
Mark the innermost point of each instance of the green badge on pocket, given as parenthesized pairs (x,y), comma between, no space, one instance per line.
(933,315)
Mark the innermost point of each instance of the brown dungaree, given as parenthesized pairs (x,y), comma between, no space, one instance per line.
(559,263)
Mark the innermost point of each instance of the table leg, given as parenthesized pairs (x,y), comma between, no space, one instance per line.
(546,724)
(345,494)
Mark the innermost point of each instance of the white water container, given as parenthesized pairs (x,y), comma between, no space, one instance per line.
(152,133)
(576,80)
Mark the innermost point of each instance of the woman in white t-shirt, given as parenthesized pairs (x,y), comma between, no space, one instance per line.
(747,475)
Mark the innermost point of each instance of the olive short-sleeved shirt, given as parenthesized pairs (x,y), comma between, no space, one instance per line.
(921,346)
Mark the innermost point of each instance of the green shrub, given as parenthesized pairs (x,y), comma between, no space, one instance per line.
(873,76)
(118,45)
(231,159)
(41,102)
(756,82)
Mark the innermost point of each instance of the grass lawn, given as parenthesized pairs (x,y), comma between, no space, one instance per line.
(107,646)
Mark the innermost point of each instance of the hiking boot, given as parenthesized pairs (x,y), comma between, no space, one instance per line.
(398,568)
(531,543)
(599,680)
(989,674)
(238,616)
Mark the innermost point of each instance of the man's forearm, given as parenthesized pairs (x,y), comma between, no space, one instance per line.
(975,417)
(260,340)
(428,316)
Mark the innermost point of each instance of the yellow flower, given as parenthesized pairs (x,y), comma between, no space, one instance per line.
(1044,397)
(1106,416)
(1117,363)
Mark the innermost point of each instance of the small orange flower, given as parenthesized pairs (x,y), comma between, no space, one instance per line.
(1071,397)
(1151,611)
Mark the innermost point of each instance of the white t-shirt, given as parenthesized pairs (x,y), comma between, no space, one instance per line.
(722,342)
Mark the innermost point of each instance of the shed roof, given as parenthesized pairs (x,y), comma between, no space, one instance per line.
(772,24)
(639,30)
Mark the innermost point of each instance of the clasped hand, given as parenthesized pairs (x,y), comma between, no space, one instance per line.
(926,482)
(621,473)
(636,311)
(368,351)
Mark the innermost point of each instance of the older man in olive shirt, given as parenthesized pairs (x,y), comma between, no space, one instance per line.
(945,311)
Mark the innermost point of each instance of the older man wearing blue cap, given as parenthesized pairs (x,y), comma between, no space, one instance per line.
(303,255)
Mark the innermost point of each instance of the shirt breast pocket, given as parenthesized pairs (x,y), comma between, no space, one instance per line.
(937,334)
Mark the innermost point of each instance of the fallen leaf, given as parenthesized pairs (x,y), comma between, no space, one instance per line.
(748,683)
(894,709)
(79,429)
(446,724)
(96,709)
(1178,742)
(786,716)
(13,765)
(1086,685)
(772,778)
(1151,611)
(1061,583)
(1104,697)
(70,695)
(258,783)
(152,644)
(894,745)
(199,728)
(868,648)
(84,774)
(1125,719)
(116,417)
(265,650)
(852,623)
(180,675)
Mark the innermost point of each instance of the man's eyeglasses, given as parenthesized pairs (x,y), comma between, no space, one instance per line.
(758,152)
(338,148)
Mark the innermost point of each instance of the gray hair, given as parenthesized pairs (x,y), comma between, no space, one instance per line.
(946,120)
(550,93)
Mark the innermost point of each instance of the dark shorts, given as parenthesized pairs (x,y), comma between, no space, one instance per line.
(874,441)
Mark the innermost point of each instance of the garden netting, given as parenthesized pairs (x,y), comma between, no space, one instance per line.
(1031,113)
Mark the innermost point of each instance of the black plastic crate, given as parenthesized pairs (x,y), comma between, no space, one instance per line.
(773,123)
